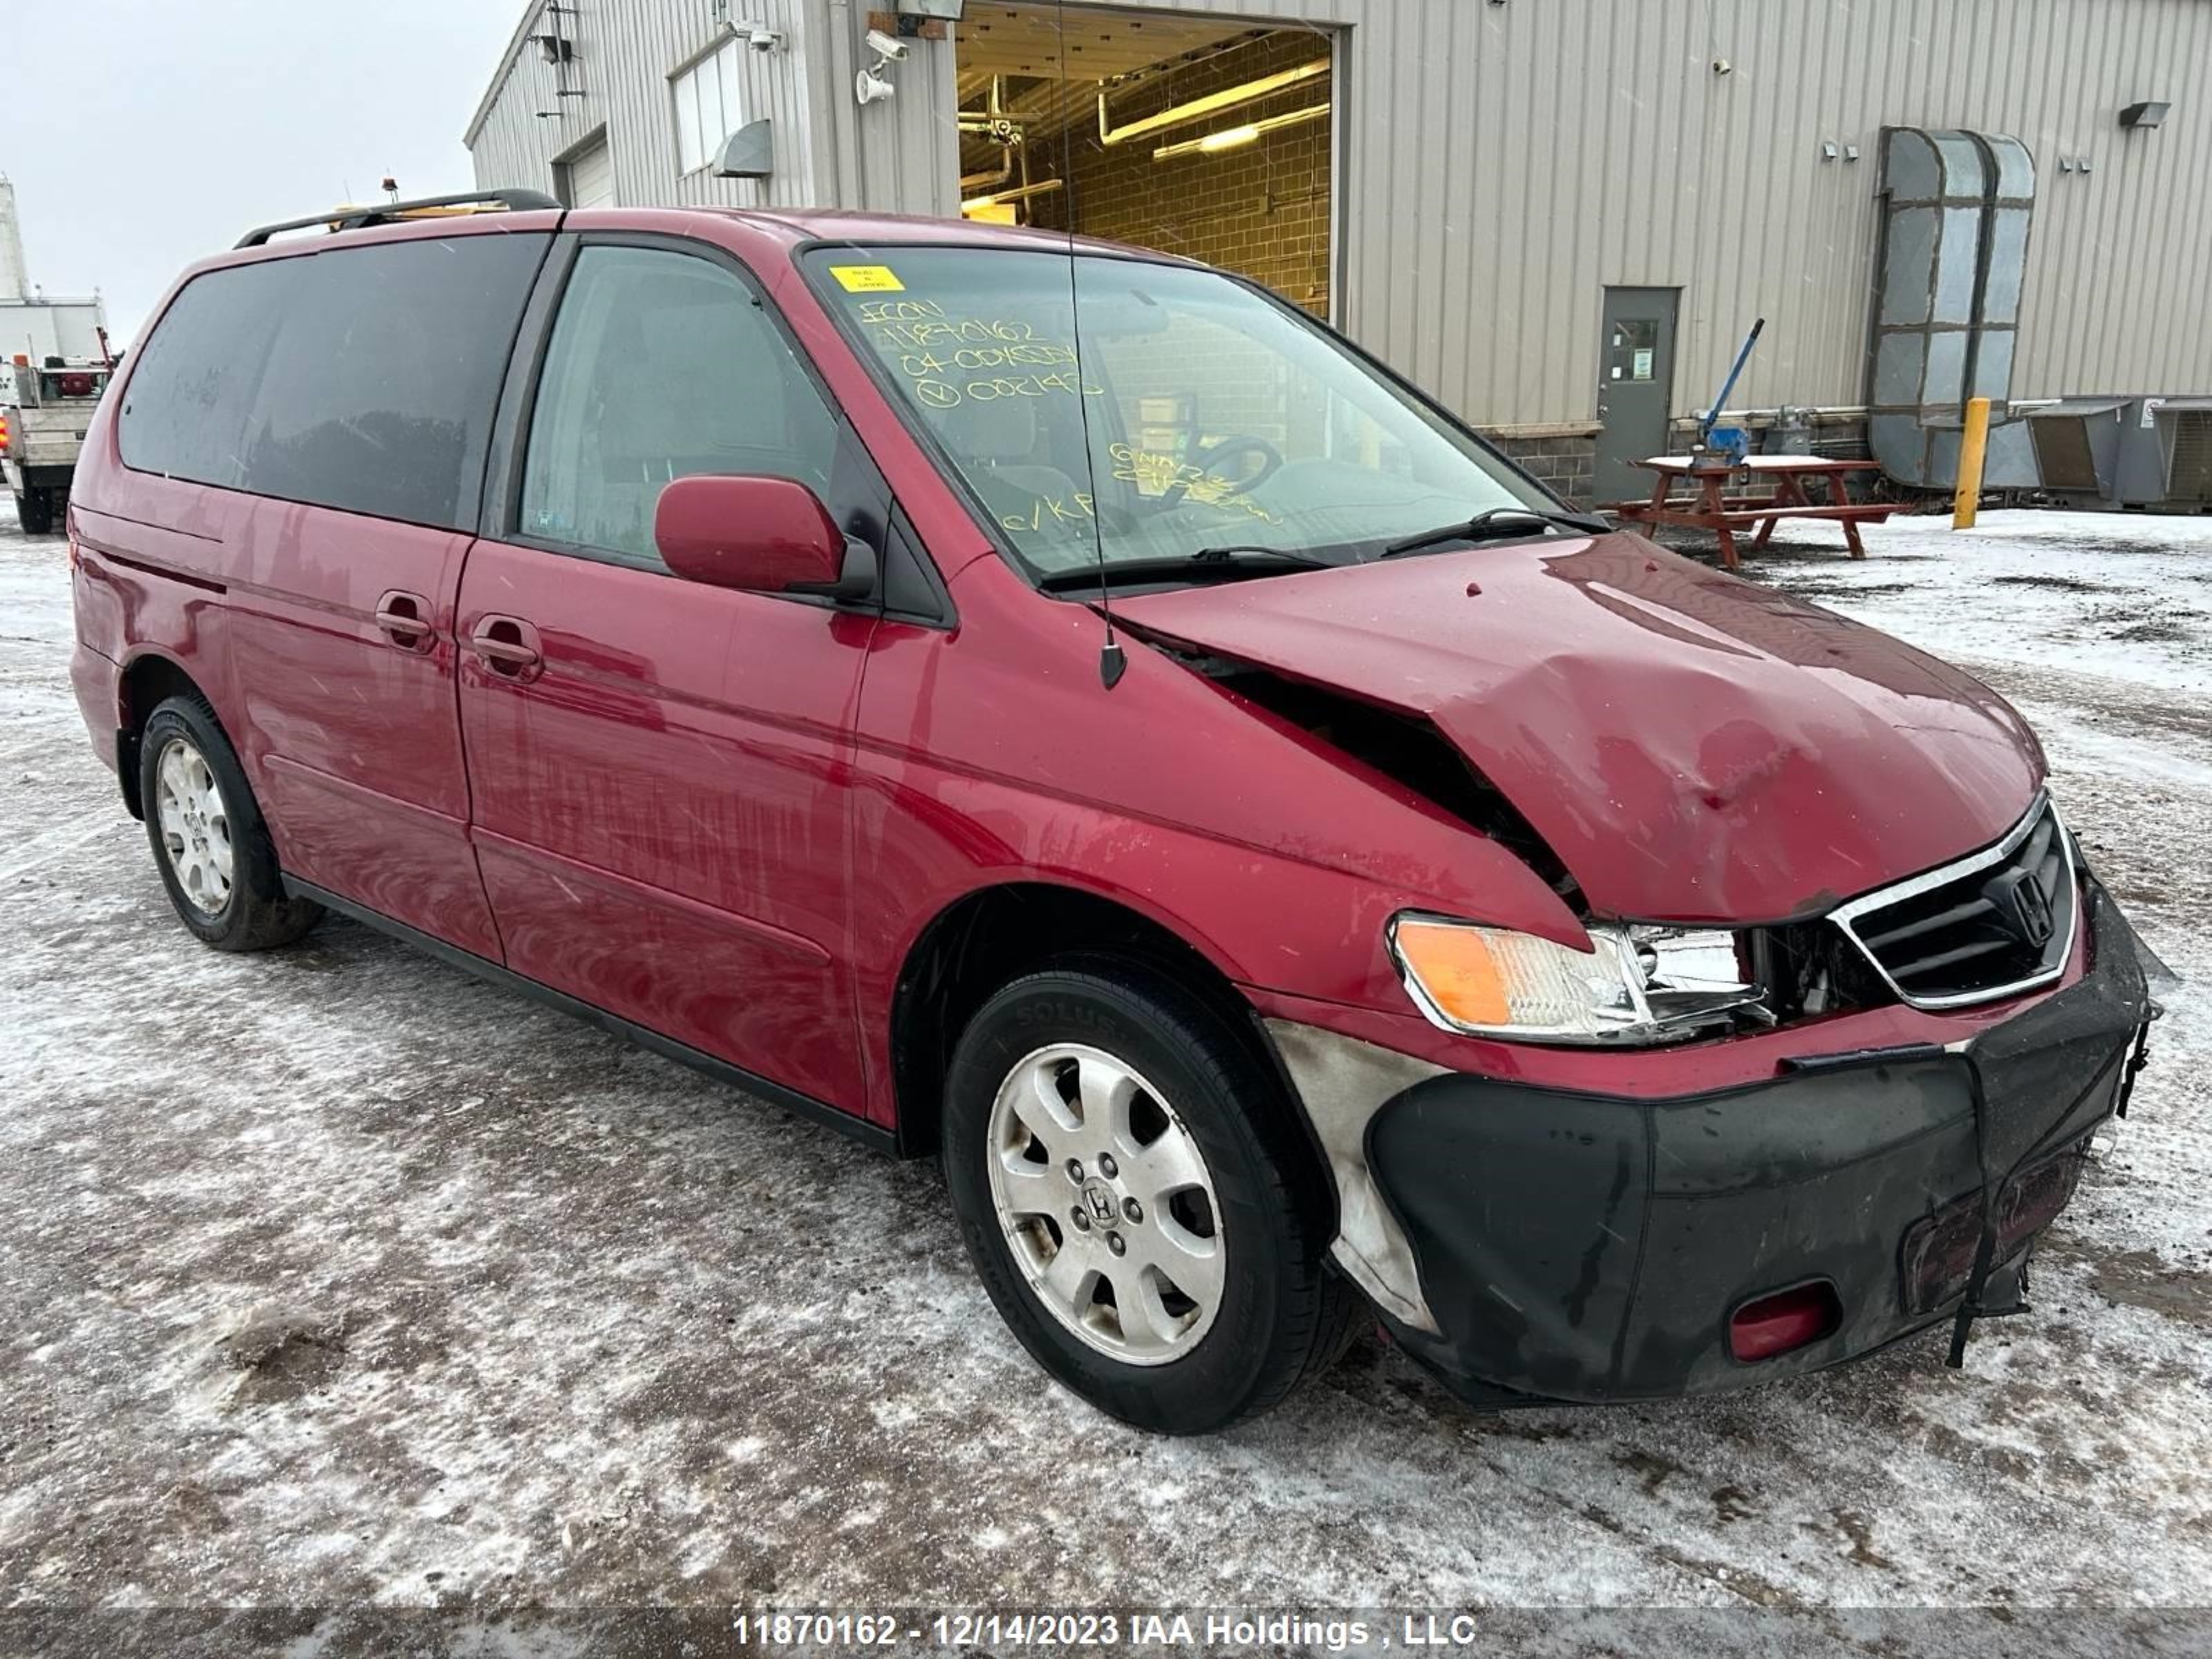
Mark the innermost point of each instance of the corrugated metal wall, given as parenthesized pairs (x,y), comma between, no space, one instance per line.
(625,53)
(1501,164)
(627,50)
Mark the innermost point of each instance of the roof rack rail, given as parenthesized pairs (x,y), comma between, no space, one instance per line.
(353,218)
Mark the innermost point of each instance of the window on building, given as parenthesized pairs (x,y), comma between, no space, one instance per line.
(710,106)
(661,366)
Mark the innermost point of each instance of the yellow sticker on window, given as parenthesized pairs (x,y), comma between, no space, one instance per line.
(867,279)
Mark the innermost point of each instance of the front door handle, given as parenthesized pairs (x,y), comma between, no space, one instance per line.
(508,646)
(405,619)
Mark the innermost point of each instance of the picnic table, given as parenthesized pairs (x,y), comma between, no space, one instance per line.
(1804,487)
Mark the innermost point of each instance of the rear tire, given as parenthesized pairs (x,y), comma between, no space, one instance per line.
(1103,1089)
(34,511)
(209,841)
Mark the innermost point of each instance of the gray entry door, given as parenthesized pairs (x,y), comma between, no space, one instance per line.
(1635,372)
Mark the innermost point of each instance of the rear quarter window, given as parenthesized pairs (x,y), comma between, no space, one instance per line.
(191,392)
(362,379)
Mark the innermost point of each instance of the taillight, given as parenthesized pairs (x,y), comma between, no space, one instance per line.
(1786,1320)
(3,434)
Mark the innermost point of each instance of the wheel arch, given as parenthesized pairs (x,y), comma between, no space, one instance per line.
(148,679)
(991,935)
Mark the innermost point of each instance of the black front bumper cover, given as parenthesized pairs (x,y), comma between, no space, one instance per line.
(1590,1248)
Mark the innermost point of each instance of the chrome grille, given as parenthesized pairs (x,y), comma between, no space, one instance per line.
(1993,924)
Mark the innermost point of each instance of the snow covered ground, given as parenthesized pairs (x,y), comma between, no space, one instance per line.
(335,1277)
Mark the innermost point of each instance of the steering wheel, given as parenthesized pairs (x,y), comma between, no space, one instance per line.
(1207,460)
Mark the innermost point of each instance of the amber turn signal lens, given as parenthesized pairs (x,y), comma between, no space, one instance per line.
(1455,966)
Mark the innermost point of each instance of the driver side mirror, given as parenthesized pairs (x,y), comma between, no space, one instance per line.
(759,535)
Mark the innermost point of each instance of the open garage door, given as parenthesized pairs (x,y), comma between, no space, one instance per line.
(1195,134)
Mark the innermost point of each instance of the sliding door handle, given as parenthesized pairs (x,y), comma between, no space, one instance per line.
(403,618)
(507,646)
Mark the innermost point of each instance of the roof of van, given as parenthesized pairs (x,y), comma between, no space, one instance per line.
(785,228)
(796,225)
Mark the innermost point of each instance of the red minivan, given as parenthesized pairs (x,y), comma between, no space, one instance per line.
(1062,710)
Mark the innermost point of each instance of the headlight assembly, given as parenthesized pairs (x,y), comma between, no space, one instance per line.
(1633,985)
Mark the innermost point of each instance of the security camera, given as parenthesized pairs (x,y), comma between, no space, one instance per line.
(870,85)
(756,35)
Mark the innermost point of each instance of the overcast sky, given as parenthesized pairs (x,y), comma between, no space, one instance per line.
(141,135)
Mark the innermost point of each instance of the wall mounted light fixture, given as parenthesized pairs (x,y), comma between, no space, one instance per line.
(2147,114)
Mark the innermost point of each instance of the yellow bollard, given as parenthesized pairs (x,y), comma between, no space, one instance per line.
(1973,446)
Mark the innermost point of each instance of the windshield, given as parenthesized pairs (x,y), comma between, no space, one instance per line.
(1210,416)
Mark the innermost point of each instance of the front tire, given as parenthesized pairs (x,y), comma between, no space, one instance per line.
(1134,1193)
(209,841)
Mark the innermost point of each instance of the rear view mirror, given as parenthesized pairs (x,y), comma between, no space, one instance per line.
(760,535)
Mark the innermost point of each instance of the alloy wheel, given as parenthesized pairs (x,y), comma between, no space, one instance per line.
(1106,1200)
(195,826)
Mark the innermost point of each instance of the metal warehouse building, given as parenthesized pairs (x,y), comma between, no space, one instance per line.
(1558,216)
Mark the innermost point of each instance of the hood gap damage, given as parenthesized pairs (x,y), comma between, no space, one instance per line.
(1405,748)
(1806,966)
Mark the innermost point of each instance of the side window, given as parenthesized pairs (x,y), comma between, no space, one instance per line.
(661,366)
(362,378)
(191,392)
(384,374)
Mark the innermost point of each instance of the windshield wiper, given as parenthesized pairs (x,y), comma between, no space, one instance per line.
(1252,550)
(1498,521)
(1251,559)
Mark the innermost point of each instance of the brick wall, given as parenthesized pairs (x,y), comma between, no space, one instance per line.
(1261,210)
(1567,466)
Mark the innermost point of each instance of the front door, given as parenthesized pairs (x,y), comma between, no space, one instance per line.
(660,770)
(1636,370)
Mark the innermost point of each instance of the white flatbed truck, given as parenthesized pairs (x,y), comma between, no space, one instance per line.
(44,409)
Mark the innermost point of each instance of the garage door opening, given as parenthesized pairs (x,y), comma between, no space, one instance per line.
(1201,137)
(585,178)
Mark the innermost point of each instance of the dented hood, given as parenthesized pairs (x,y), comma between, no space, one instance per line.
(1693,746)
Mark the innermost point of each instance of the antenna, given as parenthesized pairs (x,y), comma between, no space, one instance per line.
(1113,662)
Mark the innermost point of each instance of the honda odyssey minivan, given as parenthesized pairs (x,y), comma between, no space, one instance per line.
(1062,709)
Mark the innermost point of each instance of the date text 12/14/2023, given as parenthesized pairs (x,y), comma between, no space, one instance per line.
(1090,1630)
